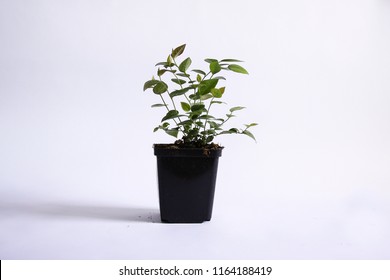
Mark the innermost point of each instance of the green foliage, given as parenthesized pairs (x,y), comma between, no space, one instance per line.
(185,106)
(196,96)
(185,65)
(215,67)
(206,86)
(178,51)
(160,87)
(237,68)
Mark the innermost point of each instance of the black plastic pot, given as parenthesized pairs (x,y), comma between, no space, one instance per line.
(186,183)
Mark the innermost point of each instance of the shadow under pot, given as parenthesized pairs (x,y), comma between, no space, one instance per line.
(186,182)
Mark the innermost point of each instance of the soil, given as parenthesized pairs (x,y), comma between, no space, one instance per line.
(179,144)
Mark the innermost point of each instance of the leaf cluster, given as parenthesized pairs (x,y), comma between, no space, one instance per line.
(188,96)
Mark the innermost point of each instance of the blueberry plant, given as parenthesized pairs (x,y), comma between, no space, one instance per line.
(188,97)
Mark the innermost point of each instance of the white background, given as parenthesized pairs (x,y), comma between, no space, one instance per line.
(77,171)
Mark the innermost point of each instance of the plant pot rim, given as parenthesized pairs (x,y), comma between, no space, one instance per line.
(174,150)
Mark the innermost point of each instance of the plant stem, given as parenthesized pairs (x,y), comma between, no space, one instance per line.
(208,109)
(207,114)
(173,102)
(165,104)
(174,106)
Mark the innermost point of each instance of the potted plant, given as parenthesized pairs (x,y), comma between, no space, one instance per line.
(187,168)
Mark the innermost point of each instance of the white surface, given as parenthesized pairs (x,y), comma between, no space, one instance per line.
(77,172)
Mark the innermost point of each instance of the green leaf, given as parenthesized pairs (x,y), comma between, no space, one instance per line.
(206,86)
(199,72)
(236,108)
(216,92)
(219,78)
(160,72)
(231,60)
(197,107)
(164,126)
(157,105)
(169,60)
(206,96)
(217,102)
(214,124)
(248,133)
(179,92)
(150,84)
(250,125)
(185,64)
(185,123)
(170,115)
(178,51)
(215,67)
(209,60)
(183,75)
(206,117)
(238,69)
(194,116)
(164,63)
(198,78)
(234,130)
(173,132)
(194,96)
(193,132)
(178,81)
(209,139)
(185,106)
(160,87)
